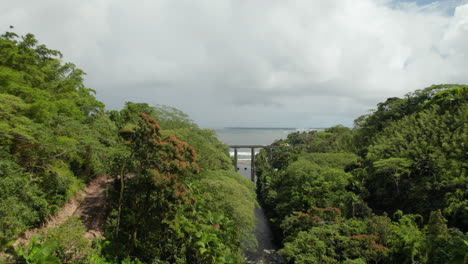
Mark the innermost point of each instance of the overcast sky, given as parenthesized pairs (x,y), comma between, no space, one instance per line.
(271,63)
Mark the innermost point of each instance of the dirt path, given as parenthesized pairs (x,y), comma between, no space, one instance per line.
(88,204)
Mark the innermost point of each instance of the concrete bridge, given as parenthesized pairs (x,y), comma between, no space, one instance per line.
(252,157)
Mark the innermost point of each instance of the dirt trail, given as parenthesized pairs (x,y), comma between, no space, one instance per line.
(89,204)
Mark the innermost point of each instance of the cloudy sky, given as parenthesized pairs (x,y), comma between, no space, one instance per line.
(272,63)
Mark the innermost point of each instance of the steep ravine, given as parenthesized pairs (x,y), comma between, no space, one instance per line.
(266,251)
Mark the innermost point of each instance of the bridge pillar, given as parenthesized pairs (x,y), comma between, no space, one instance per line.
(270,155)
(235,159)
(269,148)
(252,164)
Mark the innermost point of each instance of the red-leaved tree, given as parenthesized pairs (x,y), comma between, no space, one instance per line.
(153,192)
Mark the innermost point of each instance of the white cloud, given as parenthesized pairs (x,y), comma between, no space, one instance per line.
(266,62)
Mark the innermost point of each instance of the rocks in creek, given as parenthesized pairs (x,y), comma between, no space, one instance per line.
(268,256)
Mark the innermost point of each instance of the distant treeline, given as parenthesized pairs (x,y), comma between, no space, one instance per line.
(394,189)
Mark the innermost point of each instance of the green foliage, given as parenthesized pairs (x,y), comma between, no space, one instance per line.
(22,204)
(65,243)
(36,75)
(333,139)
(315,179)
(448,99)
(332,160)
(315,216)
(152,203)
(412,157)
(422,159)
(36,252)
(168,117)
(211,154)
(444,245)
(54,134)
(322,236)
(72,246)
(206,231)
(333,242)
(163,215)
(414,153)
(394,109)
(394,168)
(309,248)
(408,242)
(230,194)
(451,248)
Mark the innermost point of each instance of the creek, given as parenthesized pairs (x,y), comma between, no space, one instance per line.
(266,251)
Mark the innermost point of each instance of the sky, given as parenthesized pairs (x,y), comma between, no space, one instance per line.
(253,63)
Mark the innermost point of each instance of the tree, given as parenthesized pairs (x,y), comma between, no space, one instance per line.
(54,134)
(153,198)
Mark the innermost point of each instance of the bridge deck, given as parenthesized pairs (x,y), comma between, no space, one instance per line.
(256,146)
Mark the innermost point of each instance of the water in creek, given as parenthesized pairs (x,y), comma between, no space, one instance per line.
(266,251)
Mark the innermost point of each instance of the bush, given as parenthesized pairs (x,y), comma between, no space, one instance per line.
(22,204)
(72,246)
(230,194)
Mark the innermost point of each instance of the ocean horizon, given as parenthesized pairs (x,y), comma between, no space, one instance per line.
(255,136)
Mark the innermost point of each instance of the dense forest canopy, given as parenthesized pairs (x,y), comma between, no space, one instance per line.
(393,189)
(54,134)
